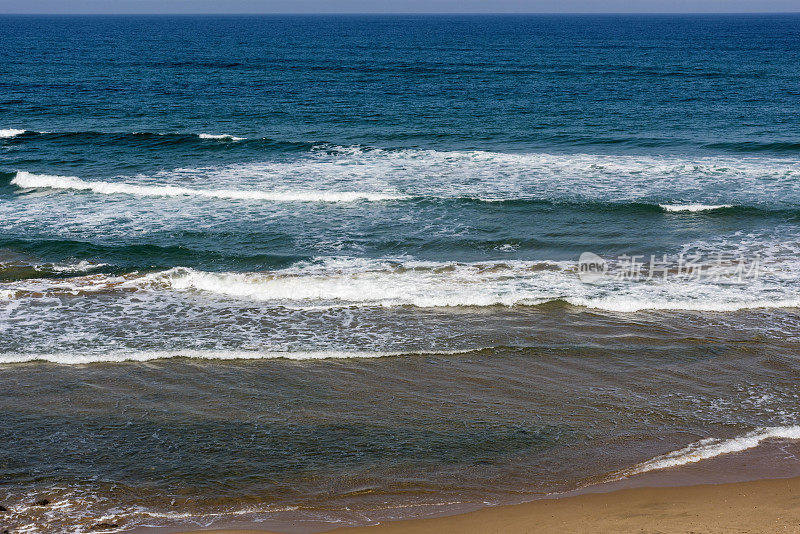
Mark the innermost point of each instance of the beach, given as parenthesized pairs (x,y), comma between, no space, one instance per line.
(673,501)
(762,506)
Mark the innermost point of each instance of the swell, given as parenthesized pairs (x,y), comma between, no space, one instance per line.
(621,207)
(5,182)
(207,140)
(202,140)
(779,147)
(122,258)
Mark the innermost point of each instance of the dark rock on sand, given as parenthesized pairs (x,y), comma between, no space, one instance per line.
(42,502)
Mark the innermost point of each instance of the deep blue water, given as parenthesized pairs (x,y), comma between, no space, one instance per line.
(353,188)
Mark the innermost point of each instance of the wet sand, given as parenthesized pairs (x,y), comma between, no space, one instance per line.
(758,506)
(668,501)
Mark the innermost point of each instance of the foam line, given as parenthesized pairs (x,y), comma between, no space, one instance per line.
(28,180)
(82,358)
(693,207)
(9,133)
(713,447)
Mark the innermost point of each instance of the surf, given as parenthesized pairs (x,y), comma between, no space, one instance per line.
(26,180)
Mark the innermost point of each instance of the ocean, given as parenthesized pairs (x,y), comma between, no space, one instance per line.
(334,270)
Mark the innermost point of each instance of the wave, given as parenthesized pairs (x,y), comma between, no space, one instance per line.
(711,448)
(331,283)
(123,257)
(223,137)
(565,140)
(625,304)
(694,207)
(634,207)
(757,146)
(9,133)
(667,183)
(82,358)
(145,139)
(15,271)
(26,180)
(523,177)
(348,282)
(337,282)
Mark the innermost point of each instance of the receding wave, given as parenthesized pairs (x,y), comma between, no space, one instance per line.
(711,448)
(26,180)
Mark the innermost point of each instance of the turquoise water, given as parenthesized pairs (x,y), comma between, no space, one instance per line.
(325,268)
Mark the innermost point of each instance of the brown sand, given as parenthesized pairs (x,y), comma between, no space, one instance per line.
(759,506)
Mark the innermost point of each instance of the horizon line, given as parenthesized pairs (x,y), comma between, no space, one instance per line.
(295,13)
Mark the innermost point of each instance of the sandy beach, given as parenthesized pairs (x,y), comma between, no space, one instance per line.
(758,506)
(752,491)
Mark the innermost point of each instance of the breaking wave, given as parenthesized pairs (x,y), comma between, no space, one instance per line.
(330,283)
(339,283)
(713,447)
(26,180)
(346,173)
(87,357)
(694,207)
(223,137)
(8,133)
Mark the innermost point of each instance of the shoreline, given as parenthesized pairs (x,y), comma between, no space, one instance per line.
(751,491)
(764,505)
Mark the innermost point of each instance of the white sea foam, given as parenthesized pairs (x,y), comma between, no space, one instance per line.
(388,283)
(355,282)
(28,180)
(626,304)
(224,137)
(496,176)
(87,357)
(701,183)
(330,283)
(8,133)
(80,267)
(713,447)
(693,207)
